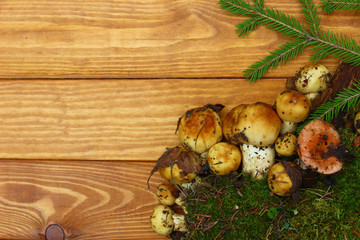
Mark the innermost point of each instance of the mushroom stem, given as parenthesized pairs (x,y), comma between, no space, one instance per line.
(288,127)
(312,96)
(179,222)
(257,160)
(181,203)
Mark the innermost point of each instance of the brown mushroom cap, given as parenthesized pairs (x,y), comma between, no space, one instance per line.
(258,125)
(292,106)
(315,142)
(231,120)
(200,128)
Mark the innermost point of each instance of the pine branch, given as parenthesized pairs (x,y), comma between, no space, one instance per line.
(324,43)
(280,56)
(311,16)
(331,6)
(247,26)
(340,46)
(347,100)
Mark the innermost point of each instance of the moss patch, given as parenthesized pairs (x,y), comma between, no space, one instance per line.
(238,207)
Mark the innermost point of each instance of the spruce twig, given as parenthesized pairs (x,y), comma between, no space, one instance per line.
(325,43)
(347,100)
(331,6)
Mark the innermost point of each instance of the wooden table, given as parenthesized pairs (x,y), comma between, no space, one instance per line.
(90,95)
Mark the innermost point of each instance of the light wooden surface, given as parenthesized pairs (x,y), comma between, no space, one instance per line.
(109,119)
(90,93)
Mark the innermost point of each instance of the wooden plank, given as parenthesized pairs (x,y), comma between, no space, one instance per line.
(110,119)
(137,39)
(89,200)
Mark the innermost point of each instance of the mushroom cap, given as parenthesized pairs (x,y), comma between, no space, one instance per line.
(258,125)
(286,144)
(199,129)
(315,142)
(162,220)
(224,158)
(292,106)
(178,175)
(232,119)
(279,181)
(167,193)
(312,78)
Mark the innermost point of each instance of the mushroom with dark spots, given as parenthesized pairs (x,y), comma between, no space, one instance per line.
(167,193)
(286,145)
(178,165)
(312,79)
(322,155)
(224,158)
(200,128)
(292,107)
(285,179)
(164,221)
(255,128)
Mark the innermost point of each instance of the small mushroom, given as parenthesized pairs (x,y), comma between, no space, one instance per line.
(162,220)
(284,179)
(292,107)
(175,174)
(167,193)
(286,145)
(200,128)
(255,128)
(357,122)
(177,165)
(224,158)
(318,144)
(312,79)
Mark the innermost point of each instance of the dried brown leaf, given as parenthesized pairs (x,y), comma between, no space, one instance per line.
(188,161)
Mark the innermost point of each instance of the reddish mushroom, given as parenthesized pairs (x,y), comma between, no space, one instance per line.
(318,142)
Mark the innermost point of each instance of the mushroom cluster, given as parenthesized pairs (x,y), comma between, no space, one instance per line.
(257,139)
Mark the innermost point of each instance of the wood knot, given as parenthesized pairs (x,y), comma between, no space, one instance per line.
(54,232)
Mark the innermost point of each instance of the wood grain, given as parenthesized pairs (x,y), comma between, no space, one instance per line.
(86,82)
(110,119)
(139,39)
(89,200)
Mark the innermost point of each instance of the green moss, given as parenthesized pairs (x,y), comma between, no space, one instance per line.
(238,207)
(238,211)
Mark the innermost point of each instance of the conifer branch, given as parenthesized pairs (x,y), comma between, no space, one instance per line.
(258,69)
(324,43)
(331,6)
(348,99)
(311,16)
